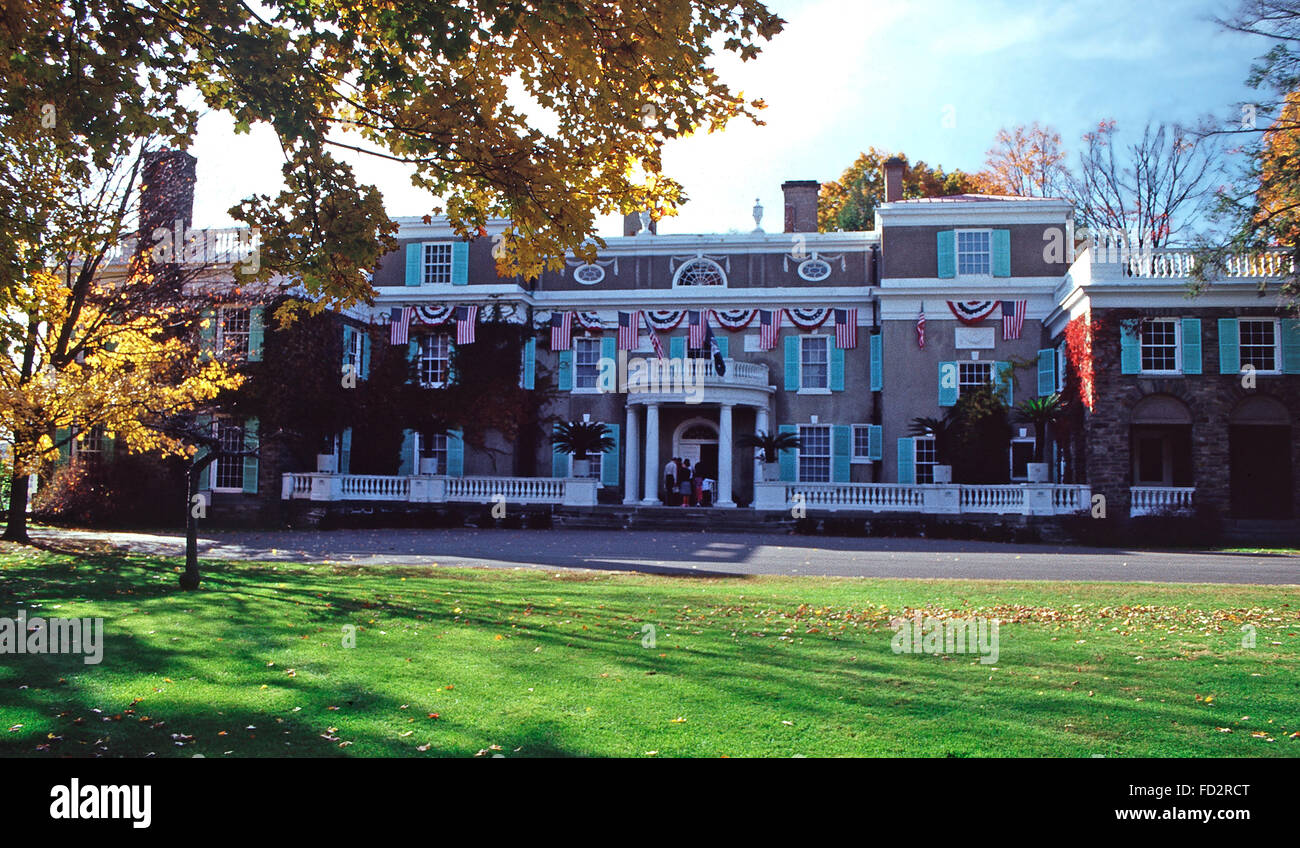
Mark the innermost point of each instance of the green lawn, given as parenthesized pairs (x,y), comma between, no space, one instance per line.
(526,663)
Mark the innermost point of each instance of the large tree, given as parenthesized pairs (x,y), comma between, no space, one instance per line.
(548,113)
(850,202)
(1026,162)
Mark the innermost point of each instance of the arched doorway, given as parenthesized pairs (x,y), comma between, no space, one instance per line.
(1259,459)
(696,439)
(1160,439)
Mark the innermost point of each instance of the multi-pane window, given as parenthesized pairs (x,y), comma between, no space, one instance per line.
(586,363)
(974,252)
(232,331)
(434,446)
(90,443)
(972,375)
(228,471)
(1258,341)
(435,360)
(1160,345)
(814,356)
(924,459)
(814,454)
(437,264)
(352,356)
(861,443)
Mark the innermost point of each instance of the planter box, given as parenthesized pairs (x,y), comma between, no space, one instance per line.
(943,474)
(1037,472)
(428,465)
(326,463)
(771,472)
(581,467)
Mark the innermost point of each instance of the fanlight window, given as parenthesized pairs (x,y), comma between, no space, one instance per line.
(814,270)
(589,275)
(700,272)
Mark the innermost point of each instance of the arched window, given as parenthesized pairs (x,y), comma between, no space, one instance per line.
(700,272)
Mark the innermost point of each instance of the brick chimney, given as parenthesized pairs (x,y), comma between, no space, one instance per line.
(801,205)
(894,179)
(166,191)
(632,224)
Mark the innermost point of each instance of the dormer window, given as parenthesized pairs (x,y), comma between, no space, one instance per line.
(700,272)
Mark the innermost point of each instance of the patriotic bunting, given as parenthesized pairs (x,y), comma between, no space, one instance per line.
(972,311)
(808,319)
(1013,317)
(654,338)
(590,320)
(664,320)
(434,314)
(735,319)
(920,327)
(846,328)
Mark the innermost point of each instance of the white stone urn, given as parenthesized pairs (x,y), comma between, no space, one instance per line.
(581,467)
(943,474)
(771,472)
(1037,472)
(326,463)
(428,465)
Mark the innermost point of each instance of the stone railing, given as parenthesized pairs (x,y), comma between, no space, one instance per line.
(1121,258)
(319,486)
(1012,499)
(1149,500)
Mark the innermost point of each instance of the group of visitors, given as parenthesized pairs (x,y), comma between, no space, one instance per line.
(686,486)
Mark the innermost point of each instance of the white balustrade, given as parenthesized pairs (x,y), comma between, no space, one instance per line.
(1149,500)
(994,499)
(428,489)
(1010,499)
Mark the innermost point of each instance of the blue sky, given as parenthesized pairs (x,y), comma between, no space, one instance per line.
(849,74)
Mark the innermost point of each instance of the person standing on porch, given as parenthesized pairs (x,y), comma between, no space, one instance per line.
(670,480)
(684,482)
(697,484)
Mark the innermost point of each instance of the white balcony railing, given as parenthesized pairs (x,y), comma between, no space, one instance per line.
(321,486)
(1129,259)
(1012,499)
(1150,500)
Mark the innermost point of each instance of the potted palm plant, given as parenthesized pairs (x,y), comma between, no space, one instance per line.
(771,444)
(941,430)
(580,439)
(1040,411)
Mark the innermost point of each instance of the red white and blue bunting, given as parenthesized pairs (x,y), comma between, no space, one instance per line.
(434,314)
(808,319)
(972,311)
(735,319)
(663,320)
(590,320)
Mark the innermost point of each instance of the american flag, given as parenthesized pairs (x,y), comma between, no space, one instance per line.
(466,319)
(769,324)
(920,327)
(846,328)
(695,339)
(399,327)
(629,330)
(1013,318)
(561,330)
(654,337)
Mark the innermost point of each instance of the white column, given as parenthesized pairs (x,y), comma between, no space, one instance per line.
(724,456)
(632,432)
(651,454)
(760,425)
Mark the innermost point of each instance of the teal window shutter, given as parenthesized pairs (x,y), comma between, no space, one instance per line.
(63,441)
(565,378)
(108,447)
(415,264)
(875,442)
(1130,348)
(559,460)
(250,462)
(1002,378)
(609,459)
(256,334)
(1229,352)
(1046,372)
(947,247)
(365,353)
(609,348)
(907,460)
(837,369)
(1002,253)
(1191,345)
(1290,346)
(456,453)
(530,364)
(724,344)
(406,460)
(345,452)
(841,453)
(947,383)
(877,362)
(459,263)
(677,348)
(792,363)
(788,458)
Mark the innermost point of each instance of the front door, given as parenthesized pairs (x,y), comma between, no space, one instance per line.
(1260,471)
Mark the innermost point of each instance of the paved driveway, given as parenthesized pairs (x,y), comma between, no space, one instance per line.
(708,554)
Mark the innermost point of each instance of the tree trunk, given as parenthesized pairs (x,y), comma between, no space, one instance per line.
(16,531)
(190,577)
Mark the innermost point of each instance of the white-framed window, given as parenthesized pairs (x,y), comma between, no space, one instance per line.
(434,446)
(352,356)
(1022,453)
(435,360)
(586,363)
(232,331)
(814,363)
(228,471)
(89,443)
(924,458)
(1257,340)
(974,253)
(593,465)
(437,263)
(814,270)
(972,375)
(861,443)
(700,272)
(1160,346)
(589,275)
(814,453)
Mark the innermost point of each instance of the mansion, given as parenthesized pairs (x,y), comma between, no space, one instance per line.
(841,338)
